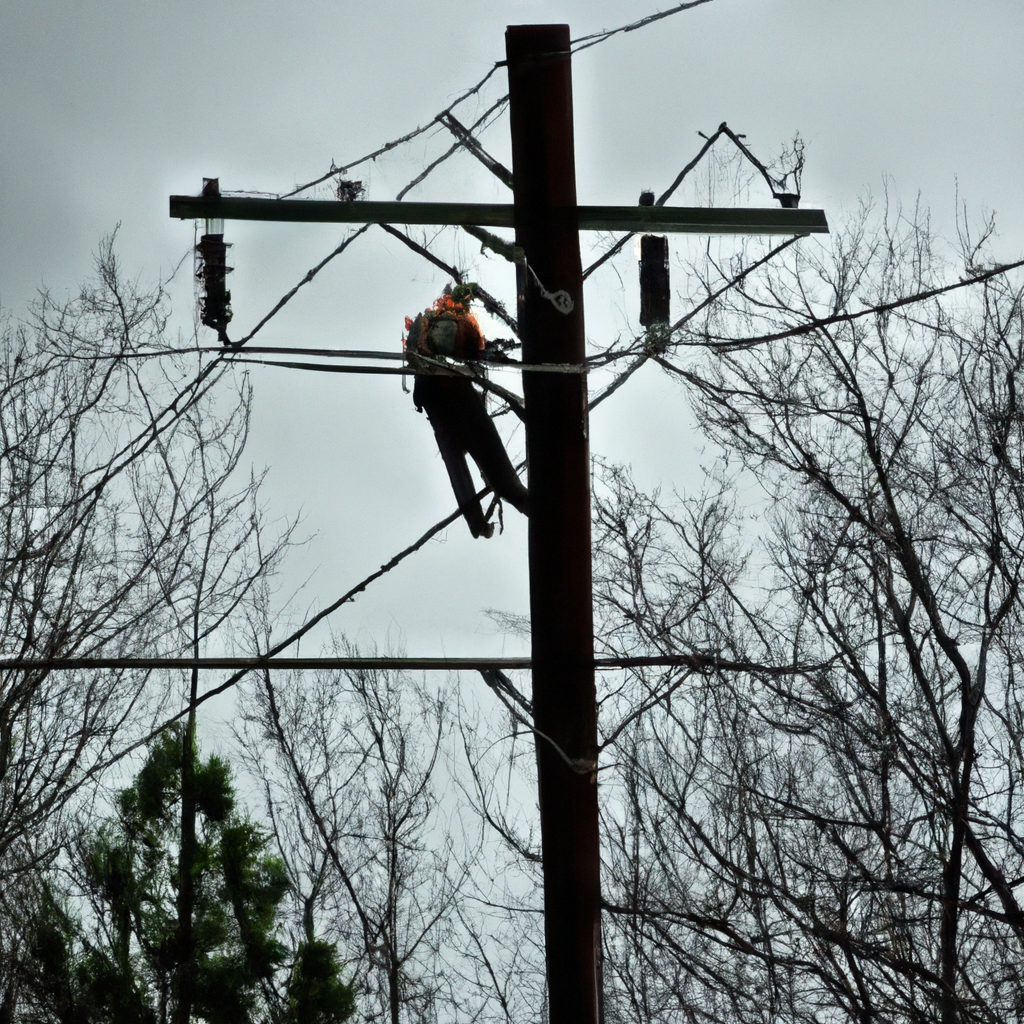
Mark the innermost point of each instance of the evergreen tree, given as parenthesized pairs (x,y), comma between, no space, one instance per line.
(121,958)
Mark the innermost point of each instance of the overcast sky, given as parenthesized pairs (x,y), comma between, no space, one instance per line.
(108,107)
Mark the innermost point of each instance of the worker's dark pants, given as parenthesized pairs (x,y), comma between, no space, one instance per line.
(461,425)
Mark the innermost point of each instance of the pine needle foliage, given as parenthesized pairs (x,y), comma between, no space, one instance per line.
(116,957)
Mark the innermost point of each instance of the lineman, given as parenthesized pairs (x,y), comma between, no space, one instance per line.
(456,410)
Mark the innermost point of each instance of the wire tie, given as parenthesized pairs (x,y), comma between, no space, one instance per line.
(561,300)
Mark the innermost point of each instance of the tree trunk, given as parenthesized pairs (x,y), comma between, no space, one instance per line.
(186,969)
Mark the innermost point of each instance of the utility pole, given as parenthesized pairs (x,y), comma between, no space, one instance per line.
(558,456)
(547,223)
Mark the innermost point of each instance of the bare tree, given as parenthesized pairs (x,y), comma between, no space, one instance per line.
(123,531)
(351,765)
(833,833)
(828,830)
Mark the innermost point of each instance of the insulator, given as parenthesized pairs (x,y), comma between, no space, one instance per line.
(216,308)
(655,293)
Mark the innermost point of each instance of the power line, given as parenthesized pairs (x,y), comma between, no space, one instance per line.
(452,517)
(443,119)
(434,369)
(664,342)
(334,171)
(467,140)
(720,343)
(437,366)
(310,274)
(587,41)
(388,146)
(600,37)
(449,121)
(660,201)
(689,661)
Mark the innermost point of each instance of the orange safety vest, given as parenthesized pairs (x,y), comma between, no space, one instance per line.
(448,332)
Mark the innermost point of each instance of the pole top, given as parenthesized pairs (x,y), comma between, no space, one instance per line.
(525,44)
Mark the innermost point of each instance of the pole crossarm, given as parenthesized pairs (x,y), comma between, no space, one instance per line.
(689,219)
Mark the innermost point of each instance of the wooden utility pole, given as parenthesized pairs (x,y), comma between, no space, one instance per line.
(547,223)
(558,456)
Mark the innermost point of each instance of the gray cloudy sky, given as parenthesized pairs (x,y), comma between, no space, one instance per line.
(109,106)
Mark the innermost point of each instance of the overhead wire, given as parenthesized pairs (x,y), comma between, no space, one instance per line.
(386,567)
(448,121)
(693,661)
(466,139)
(297,634)
(658,356)
(388,146)
(607,357)
(310,274)
(452,517)
(720,343)
(220,356)
(587,41)
(490,303)
(640,348)
(460,369)
(599,37)
(662,342)
(498,309)
(723,129)
(660,201)
(579,44)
